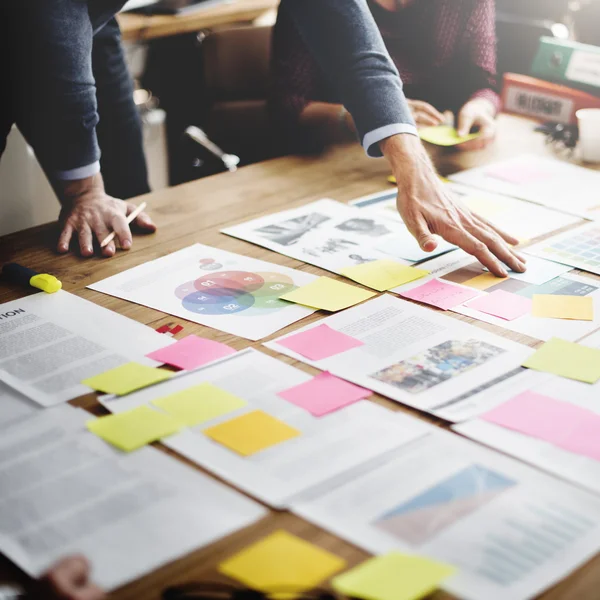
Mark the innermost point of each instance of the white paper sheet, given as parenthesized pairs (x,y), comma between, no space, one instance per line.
(511,531)
(418,357)
(546,181)
(64,491)
(51,342)
(459,267)
(332,235)
(329,447)
(543,455)
(226,291)
(524,220)
(14,406)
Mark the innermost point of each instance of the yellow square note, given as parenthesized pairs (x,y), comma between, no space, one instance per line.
(135,428)
(126,379)
(393,576)
(484,281)
(282,561)
(443,135)
(579,308)
(567,359)
(199,404)
(328,294)
(251,433)
(383,275)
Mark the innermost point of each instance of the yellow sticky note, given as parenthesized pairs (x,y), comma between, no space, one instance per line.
(135,428)
(393,576)
(126,379)
(443,135)
(251,433)
(484,281)
(579,308)
(199,404)
(328,294)
(567,359)
(488,208)
(282,561)
(382,275)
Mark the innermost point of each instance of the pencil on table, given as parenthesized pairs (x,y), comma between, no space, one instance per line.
(110,237)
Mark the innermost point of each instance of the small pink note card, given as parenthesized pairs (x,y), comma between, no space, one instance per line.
(324,393)
(502,304)
(440,294)
(518,174)
(319,342)
(191,352)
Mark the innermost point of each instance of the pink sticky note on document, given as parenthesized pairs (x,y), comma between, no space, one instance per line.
(440,294)
(517,174)
(563,424)
(502,304)
(324,393)
(320,342)
(191,352)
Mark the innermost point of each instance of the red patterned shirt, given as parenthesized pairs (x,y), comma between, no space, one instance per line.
(445,51)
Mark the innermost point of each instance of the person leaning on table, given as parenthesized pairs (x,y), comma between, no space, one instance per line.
(48,45)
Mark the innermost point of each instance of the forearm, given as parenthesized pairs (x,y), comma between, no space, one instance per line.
(344,38)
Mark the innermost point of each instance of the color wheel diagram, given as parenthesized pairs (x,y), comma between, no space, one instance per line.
(424,516)
(234,292)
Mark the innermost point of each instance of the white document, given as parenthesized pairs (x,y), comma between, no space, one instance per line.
(64,491)
(578,247)
(575,468)
(332,235)
(14,406)
(328,447)
(418,357)
(524,220)
(226,291)
(511,531)
(49,343)
(459,268)
(546,181)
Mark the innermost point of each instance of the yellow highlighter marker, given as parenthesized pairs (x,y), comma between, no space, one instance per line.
(24,276)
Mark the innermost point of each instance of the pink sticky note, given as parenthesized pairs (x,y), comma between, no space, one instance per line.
(191,352)
(502,304)
(517,174)
(563,424)
(324,394)
(320,342)
(440,294)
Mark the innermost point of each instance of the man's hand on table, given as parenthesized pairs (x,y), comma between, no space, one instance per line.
(428,208)
(88,213)
(69,579)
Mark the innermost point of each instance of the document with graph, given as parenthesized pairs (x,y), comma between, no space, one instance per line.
(212,287)
(510,530)
(416,356)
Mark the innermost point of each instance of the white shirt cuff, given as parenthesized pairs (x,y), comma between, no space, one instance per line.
(373,138)
(79,173)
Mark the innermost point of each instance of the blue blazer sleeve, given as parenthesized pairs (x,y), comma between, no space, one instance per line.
(345,40)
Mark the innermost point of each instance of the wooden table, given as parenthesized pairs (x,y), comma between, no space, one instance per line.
(195,212)
(138,27)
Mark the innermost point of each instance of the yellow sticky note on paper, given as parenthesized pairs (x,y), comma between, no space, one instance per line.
(282,561)
(135,428)
(251,433)
(484,281)
(383,275)
(328,294)
(126,379)
(393,576)
(199,404)
(567,359)
(443,135)
(578,308)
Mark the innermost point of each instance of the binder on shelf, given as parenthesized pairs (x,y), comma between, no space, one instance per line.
(544,101)
(569,63)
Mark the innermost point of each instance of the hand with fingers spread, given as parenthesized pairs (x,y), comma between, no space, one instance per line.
(70,579)
(479,113)
(424,114)
(88,213)
(428,208)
